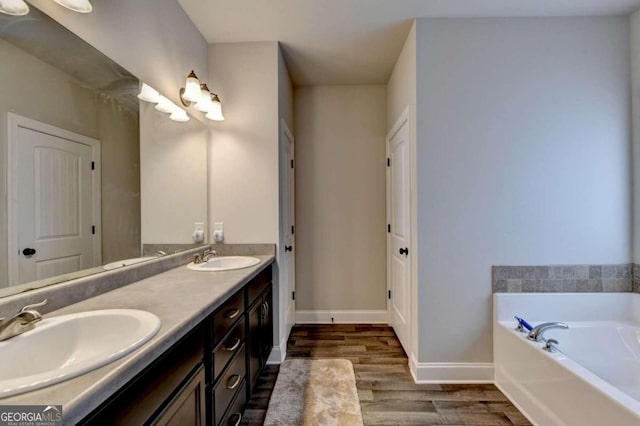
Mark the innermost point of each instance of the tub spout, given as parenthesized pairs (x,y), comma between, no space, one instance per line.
(536,333)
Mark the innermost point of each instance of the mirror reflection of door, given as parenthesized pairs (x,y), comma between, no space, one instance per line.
(54,180)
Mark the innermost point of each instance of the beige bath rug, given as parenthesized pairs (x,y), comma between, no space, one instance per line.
(320,392)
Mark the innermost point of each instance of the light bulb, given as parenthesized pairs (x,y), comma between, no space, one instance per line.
(191,91)
(204,104)
(215,113)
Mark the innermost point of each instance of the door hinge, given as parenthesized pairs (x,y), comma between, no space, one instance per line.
(93,229)
(93,165)
(389,294)
(293,229)
(388,162)
(292,164)
(293,295)
(389,228)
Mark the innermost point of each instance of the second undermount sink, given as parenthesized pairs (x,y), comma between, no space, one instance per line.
(60,348)
(224,263)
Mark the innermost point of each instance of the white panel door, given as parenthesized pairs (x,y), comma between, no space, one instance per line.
(398,187)
(54,212)
(288,207)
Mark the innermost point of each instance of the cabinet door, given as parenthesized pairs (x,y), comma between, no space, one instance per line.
(254,340)
(266,328)
(187,407)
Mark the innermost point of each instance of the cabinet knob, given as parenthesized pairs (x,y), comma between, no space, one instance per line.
(405,251)
(288,248)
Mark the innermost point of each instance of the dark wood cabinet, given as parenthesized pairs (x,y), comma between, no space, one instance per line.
(260,334)
(188,406)
(207,377)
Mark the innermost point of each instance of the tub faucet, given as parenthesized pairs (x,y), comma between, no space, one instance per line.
(24,320)
(536,333)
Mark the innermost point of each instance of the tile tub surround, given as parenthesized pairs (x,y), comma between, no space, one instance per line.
(180,297)
(566,278)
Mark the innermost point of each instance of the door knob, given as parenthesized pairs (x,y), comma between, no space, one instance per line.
(405,251)
(29,252)
(288,248)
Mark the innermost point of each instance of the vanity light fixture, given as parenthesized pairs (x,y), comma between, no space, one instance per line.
(148,94)
(191,91)
(80,6)
(215,113)
(14,7)
(165,105)
(179,114)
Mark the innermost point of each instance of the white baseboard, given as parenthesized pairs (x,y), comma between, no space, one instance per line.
(451,372)
(341,317)
(278,353)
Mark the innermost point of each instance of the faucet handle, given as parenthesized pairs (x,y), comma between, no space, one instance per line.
(35,305)
(550,345)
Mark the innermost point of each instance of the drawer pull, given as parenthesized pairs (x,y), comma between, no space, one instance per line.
(234,346)
(237,422)
(235,383)
(231,314)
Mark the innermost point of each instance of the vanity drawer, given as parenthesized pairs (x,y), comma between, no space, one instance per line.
(226,316)
(258,284)
(228,385)
(234,415)
(227,348)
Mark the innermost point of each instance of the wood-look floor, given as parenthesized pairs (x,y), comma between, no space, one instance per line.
(388,395)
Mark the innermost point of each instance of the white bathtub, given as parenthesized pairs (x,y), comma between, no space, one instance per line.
(593,380)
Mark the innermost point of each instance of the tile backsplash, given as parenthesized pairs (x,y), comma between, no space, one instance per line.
(566,278)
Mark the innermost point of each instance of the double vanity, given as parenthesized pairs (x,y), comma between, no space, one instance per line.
(194,343)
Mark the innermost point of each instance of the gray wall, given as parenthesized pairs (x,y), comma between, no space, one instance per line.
(523,137)
(340,197)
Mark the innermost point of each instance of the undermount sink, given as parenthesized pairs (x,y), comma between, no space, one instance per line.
(224,263)
(67,346)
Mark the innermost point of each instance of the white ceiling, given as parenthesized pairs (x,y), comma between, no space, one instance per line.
(358,41)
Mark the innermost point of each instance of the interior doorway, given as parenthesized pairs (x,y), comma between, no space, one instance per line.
(54,201)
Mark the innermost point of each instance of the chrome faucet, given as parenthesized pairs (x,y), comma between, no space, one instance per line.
(208,254)
(536,333)
(205,256)
(24,320)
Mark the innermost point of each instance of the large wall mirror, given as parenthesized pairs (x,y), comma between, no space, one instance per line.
(74,174)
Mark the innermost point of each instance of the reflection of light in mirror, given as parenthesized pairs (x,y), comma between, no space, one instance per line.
(179,114)
(148,94)
(14,7)
(165,105)
(80,6)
